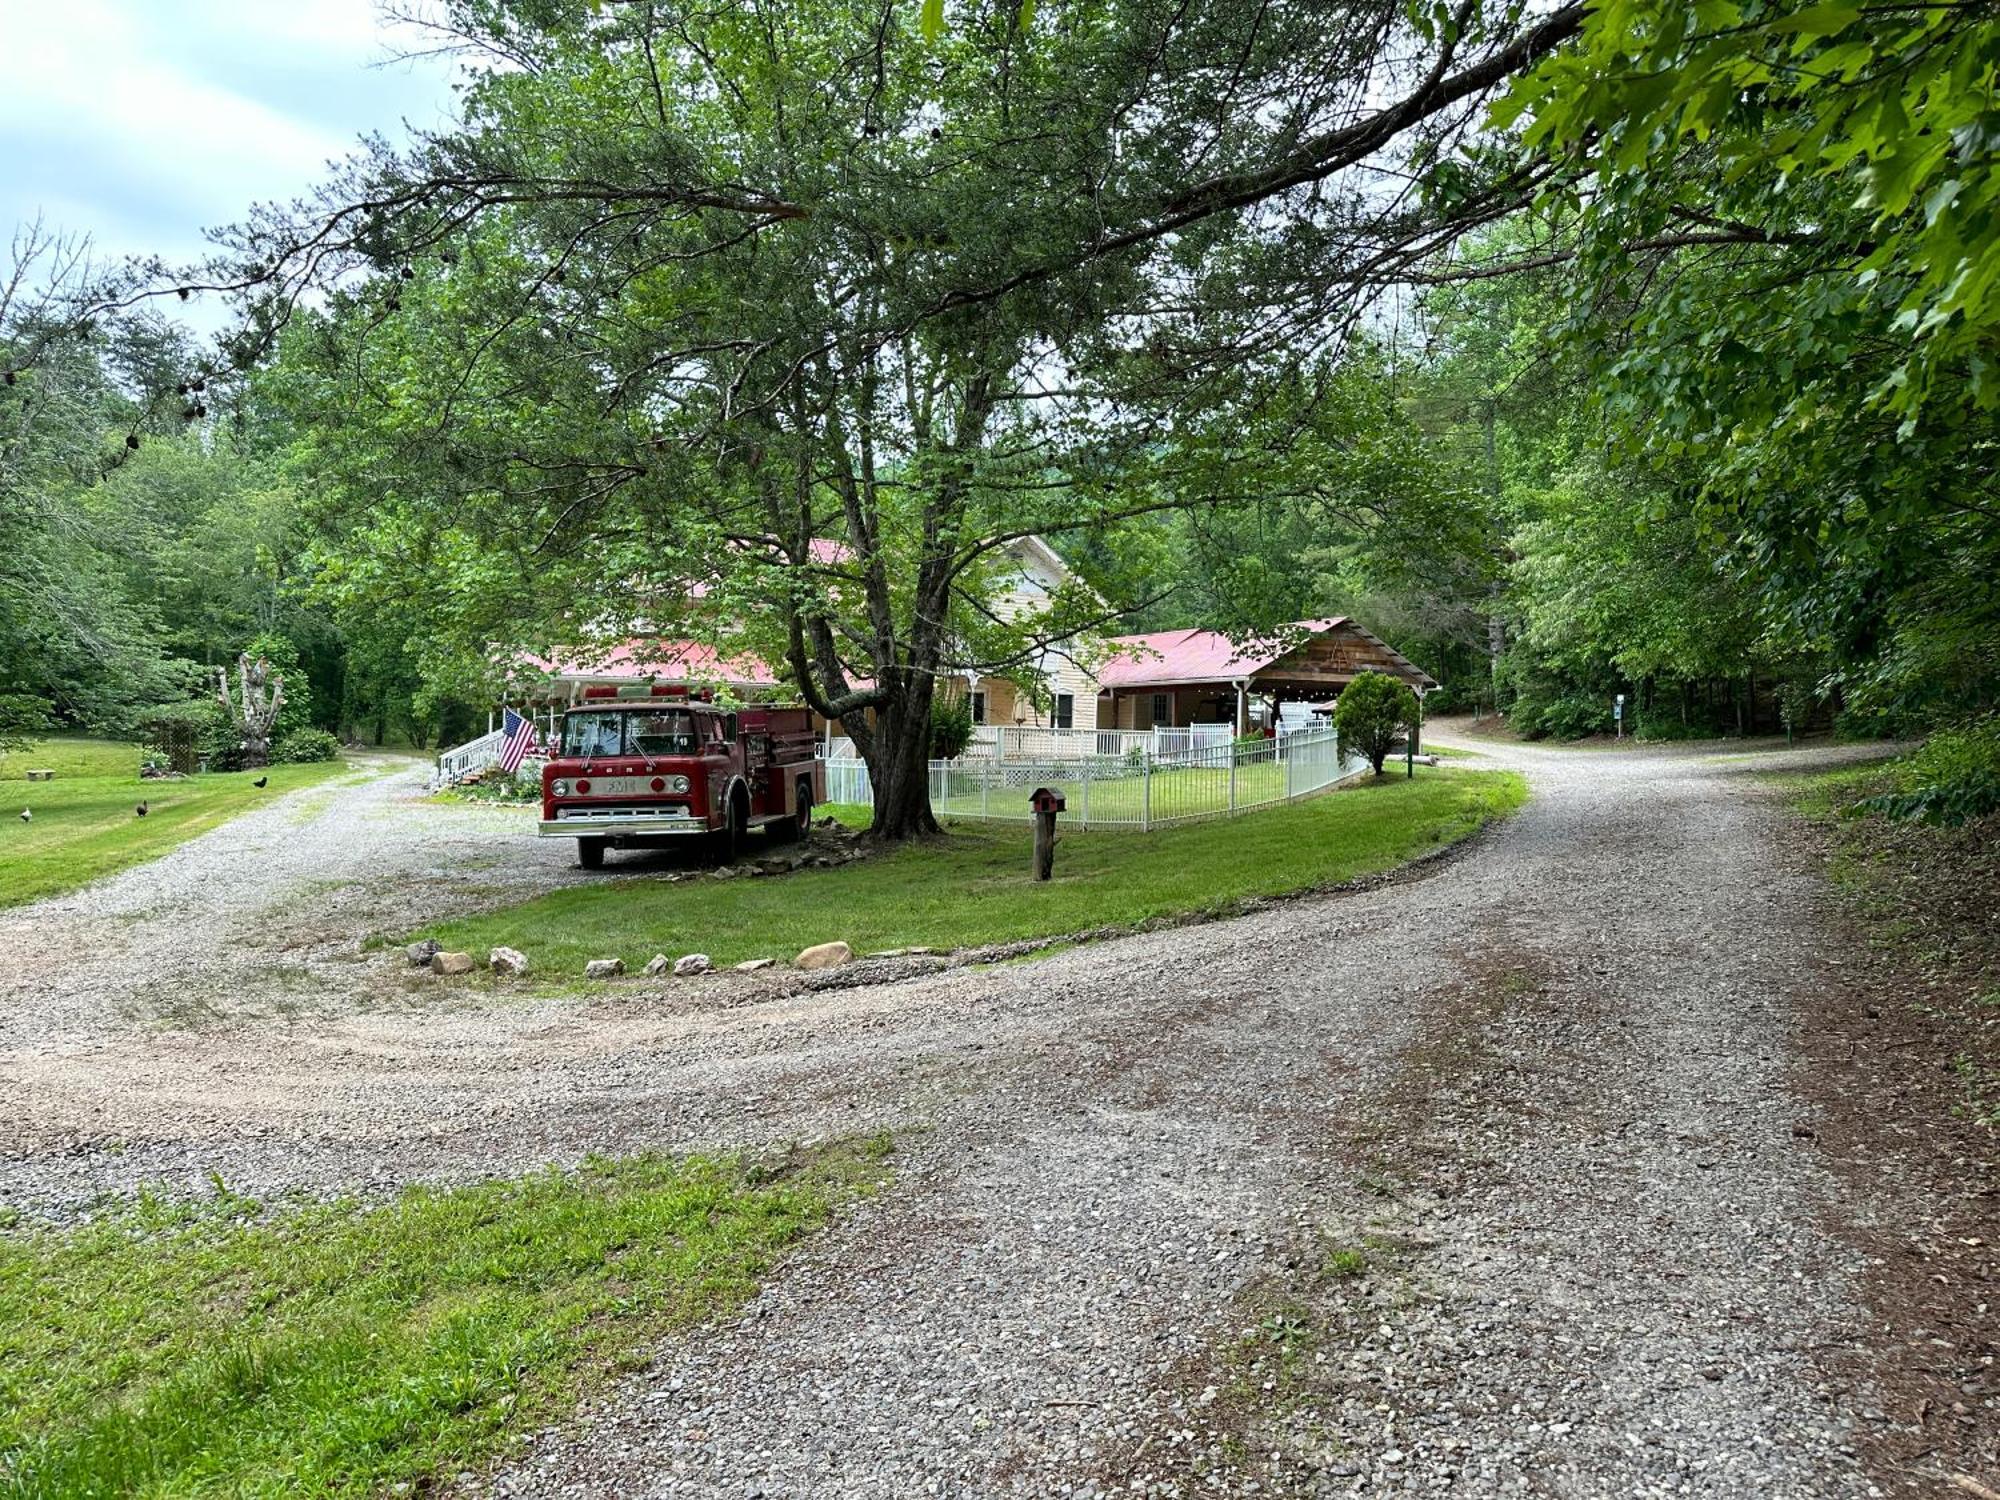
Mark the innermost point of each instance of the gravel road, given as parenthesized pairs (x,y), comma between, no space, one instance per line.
(262,916)
(1499,1181)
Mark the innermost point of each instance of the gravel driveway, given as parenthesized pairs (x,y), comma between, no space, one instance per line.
(1498,1181)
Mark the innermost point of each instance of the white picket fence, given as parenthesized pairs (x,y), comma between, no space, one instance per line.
(1135,790)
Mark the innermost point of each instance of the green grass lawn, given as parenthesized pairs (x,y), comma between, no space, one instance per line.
(973,886)
(216,1349)
(84,825)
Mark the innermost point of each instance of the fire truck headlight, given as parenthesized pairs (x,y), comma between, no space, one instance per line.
(677,783)
(559,788)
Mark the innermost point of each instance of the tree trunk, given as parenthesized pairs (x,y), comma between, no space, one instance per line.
(899,766)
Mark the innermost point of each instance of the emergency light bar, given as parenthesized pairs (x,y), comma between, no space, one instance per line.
(639,691)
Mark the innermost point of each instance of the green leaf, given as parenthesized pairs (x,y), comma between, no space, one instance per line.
(1816,20)
(931,20)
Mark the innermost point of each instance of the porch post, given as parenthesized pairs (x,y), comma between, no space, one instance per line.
(1242,707)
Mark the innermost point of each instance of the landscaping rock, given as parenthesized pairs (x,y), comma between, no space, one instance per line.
(691,963)
(452,963)
(604,968)
(752,965)
(824,956)
(724,872)
(420,953)
(657,965)
(507,961)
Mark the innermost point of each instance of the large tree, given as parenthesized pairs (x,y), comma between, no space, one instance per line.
(691,293)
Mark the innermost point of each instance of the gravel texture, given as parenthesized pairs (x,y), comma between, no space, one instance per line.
(1548,1095)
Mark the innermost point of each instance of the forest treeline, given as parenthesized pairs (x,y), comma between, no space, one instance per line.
(1648,351)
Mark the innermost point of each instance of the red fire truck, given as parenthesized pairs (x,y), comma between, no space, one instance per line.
(640,767)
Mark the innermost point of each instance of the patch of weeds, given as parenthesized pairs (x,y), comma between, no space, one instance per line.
(1345,1264)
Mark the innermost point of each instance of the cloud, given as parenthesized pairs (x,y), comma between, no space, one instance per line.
(143,123)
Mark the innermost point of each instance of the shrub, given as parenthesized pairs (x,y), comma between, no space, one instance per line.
(304,745)
(1372,711)
(1954,778)
(1663,725)
(951,727)
(1543,711)
(525,785)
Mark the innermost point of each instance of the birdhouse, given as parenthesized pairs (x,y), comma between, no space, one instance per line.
(1042,800)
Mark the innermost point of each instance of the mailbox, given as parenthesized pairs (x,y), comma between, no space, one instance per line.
(1042,800)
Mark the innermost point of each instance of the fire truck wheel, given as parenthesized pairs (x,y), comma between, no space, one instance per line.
(737,834)
(797,825)
(590,853)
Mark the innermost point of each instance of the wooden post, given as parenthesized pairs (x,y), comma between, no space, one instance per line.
(1044,804)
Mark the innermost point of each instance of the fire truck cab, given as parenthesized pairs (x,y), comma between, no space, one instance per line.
(640,767)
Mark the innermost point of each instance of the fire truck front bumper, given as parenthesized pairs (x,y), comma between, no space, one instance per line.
(619,825)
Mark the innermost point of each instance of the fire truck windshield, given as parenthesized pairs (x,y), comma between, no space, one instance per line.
(647,732)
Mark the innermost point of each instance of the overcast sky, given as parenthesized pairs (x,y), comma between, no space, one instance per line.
(143,122)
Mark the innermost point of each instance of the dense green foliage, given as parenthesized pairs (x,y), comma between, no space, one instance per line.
(1954,778)
(1772,228)
(235,1347)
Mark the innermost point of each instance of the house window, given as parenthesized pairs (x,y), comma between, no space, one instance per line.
(978,707)
(1065,714)
(1163,708)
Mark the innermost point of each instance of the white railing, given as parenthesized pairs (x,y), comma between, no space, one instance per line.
(1135,790)
(1035,742)
(474,755)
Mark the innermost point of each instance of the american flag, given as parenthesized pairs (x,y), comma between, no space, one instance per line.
(521,738)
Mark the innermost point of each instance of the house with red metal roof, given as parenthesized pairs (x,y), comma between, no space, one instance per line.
(1030,571)
(1176,678)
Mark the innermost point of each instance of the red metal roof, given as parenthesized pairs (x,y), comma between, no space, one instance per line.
(664,660)
(1182,656)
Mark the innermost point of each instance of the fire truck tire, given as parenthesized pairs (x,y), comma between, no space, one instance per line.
(800,822)
(736,835)
(590,853)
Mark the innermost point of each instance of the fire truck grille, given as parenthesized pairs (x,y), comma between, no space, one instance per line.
(623,810)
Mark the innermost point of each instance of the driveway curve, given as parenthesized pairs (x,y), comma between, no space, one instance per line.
(1549,1095)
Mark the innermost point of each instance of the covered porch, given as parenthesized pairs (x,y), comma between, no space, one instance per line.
(1192,678)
